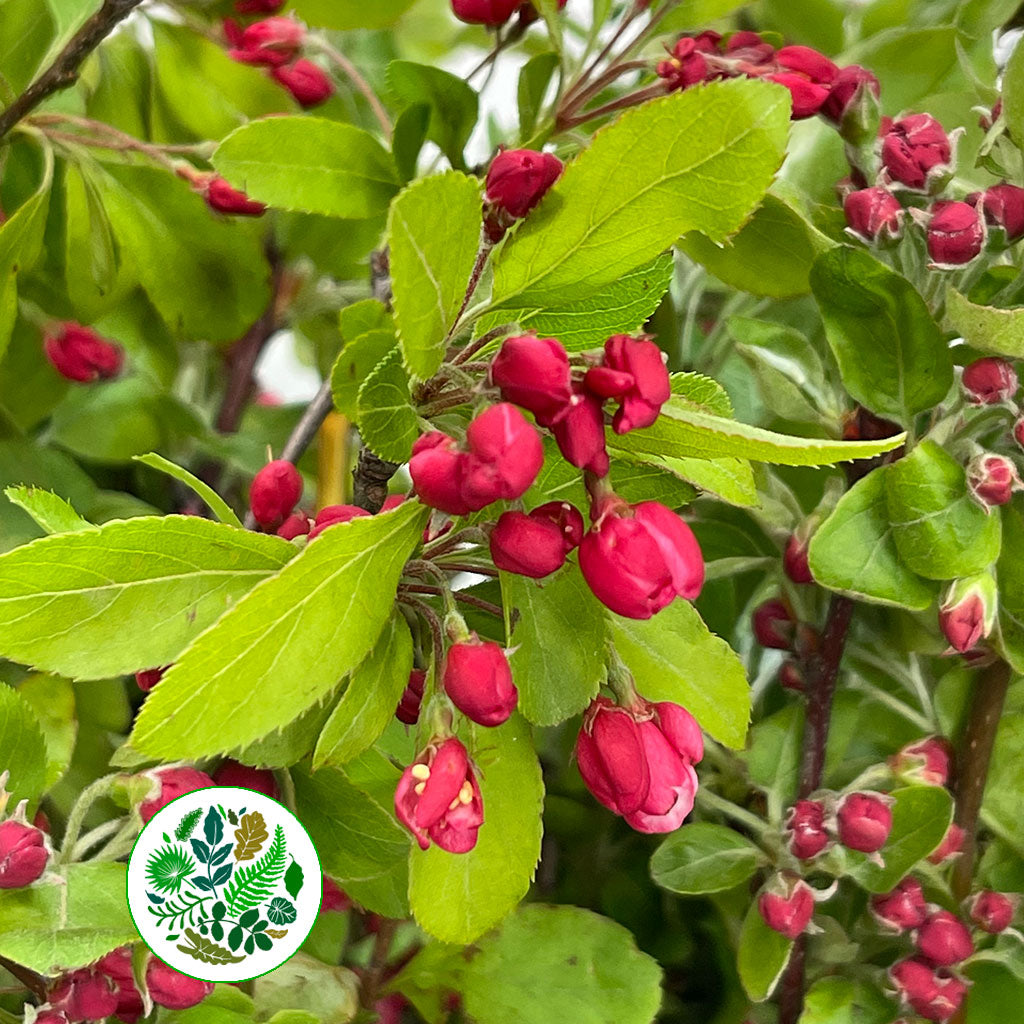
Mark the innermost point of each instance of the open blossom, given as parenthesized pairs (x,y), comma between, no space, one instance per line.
(638,761)
(78,353)
(438,798)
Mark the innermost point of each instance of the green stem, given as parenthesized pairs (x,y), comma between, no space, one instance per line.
(709,800)
(93,792)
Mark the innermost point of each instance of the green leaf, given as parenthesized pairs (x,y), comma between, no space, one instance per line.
(50,928)
(891,353)
(355,363)
(612,212)
(23,747)
(350,14)
(697,13)
(1010,573)
(453,104)
(682,432)
(388,424)
(365,315)
(457,898)
(941,532)
(762,955)
(673,656)
(854,551)
(131,594)
(311,165)
(295,637)
(434,232)
(773,754)
(361,845)
(836,1000)
(703,857)
(1002,791)
(558,652)
(920,819)
(622,307)
(369,701)
(732,480)
(52,698)
(986,328)
(49,510)
(561,963)
(772,254)
(217,505)
(1013,94)
(534,80)
(995,994)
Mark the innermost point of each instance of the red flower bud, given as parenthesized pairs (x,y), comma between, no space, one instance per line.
(992,479)
(334,898)
(807,96)
(84,995)
(992,911)
(794,560)
(579,431)
(638,558)
(850,84)
(437,469)
(774,625)
(806,825)
(479,682)
(258,6)
(408,710)
(533,373)
(117,966)
(332,515)
(275,491)
(873,214)
(505,456)
(791,677)
(808,62)
(527,545)
(903,908)
(989,381)
(638,378)
(309,85)
(262,780)
(928,761)
(172,989)
(220,196)
(566,517)
(296,525)
(864,821)
(951,846)
(944,939)
(149,678)
(518,179)
(273,41)
(170,784)
(51,1017)
(23,854)
(1003,206)
(956,234)
(932,995)
(438,798)
(787,906)
(638,761)
(915,151)
(80,354)
(967,612)
(485,12)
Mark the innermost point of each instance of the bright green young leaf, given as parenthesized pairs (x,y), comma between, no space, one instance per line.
(854,551)
(891,353)
(730,479)
(409,136)
(1010,571)
(27,29)
(294,637)
(837,1000)
(131,594)
(762,956)
(986,328)
(1013,94)
(452,101)
(697,13)
(561,963)
(920,818)
(534,80)
(704,857)
(363,316)
(1002,791)
(370,699)
(941,532)
(700,393)
(350,14)
(217,505)
(288,745)
(434,232)
(309,164)
(23,750)
(49,510)
(457,899)
(608,215)
(673,656)
(388,423)
(558,644)
(52,699)
(355,363)
(773,755)
(50,928)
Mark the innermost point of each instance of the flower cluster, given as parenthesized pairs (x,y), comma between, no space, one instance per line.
(860,821)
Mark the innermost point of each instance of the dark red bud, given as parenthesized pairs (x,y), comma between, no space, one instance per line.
(80,354)
(232,773)
(332,515)
(533,373)
(408,710)
(944,939)
(774,625)
(808,834)
(485,12)
(993,912)
(903,908)
(566,517)
(275,491)
(309,85)
(873,214)
(956,234)
(478,681)
(171,783)
(273,41)
(519,178)
(23,854)
(933,995)
(173,990)
(787,907)
(220,196)
(992,479)
(149,678)
(1003,206)
(864,821)
(527,545)
(989,381)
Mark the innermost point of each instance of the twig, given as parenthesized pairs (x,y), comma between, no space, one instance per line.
(484,340)
(351,72)
(429,616)
(632,99)
(63,72)
(460,596)
(378,961)
(35,983)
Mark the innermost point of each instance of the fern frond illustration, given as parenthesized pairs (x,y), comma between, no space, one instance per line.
(187,825)
(167,868)
(253,884)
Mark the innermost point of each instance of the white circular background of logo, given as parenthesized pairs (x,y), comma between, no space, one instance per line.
(154,931)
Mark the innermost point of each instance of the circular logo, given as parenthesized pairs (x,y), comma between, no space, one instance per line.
(224,884)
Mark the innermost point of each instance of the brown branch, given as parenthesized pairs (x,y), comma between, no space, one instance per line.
(63,72)
(35,983)
(374,976)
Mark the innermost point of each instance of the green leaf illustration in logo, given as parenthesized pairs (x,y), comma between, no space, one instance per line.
(213,827)
(207,951)
(253,884)
(293,878)
(281,911)
(187,825)
(167,868)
